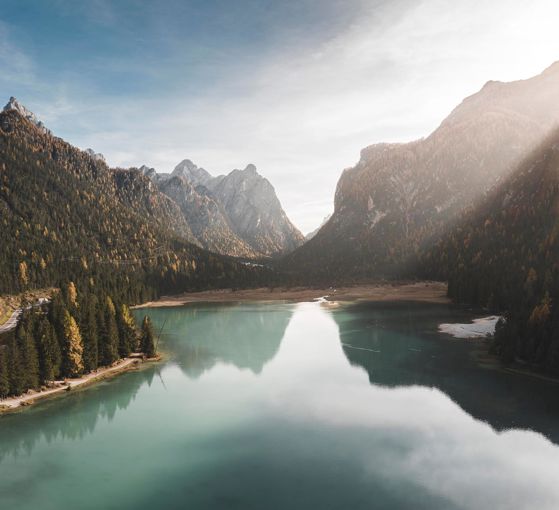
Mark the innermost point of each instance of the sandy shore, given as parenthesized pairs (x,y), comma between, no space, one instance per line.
(13,403)
(427,292)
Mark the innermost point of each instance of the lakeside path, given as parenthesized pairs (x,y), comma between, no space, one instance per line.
(426,292)
(13,403)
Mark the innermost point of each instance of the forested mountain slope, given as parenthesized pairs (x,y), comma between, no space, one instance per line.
(399,195)
(504,254)
(66,216)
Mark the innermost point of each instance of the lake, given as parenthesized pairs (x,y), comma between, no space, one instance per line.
(293,406)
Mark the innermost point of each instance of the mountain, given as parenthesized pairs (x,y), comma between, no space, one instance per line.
(67,216)
(192,173)
(205,218)
(399,195)
(504,254)
(254,211)
(237,214)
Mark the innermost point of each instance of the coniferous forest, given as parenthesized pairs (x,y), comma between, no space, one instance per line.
(70,336)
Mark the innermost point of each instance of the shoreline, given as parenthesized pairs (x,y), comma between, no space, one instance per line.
(20,402)
(424,292)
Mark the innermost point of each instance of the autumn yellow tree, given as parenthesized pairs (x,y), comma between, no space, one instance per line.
(72,294)
(23,278)
(73,347)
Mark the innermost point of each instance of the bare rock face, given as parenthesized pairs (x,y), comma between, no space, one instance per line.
(399,195)
(193,174)
(205,217)
(15,105)
(254,211)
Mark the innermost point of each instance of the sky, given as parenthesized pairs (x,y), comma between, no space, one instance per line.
(297,88)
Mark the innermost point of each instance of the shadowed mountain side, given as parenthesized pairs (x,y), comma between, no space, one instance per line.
(394,355)
(504,254)
(198,341)
(398,195)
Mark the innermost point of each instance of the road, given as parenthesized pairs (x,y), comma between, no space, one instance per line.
(11,323)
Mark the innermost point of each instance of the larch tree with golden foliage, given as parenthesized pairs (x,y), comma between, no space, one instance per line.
(73,348)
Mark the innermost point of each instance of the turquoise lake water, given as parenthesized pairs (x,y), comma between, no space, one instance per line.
(293,406)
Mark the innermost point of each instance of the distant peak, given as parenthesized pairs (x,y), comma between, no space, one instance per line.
(14,105)
(250,168)
(187,164)
(191,172)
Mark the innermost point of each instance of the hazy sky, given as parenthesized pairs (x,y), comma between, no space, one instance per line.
(295,87)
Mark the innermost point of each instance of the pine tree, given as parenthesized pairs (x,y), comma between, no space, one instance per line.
(148,340)
(4,373)
(73,347)
(89,330)
(15,372)
(108,346)
(28,353)
(126,331)
(49,351)
(56,312)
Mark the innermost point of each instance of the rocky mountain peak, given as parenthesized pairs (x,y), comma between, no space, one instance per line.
(238,213)
(194,174)
(14,105)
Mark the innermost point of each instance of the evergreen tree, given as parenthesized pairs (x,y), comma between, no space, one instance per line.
(15,371)
(56,312)
(49,351)
(126,331)
(73,347)
(148,340)
(28,353)
(4,374)
(108,347)
(89,330)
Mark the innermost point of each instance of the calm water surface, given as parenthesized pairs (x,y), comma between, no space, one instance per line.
(293,406)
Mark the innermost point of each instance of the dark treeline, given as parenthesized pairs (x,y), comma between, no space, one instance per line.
(74,334)
(504,255)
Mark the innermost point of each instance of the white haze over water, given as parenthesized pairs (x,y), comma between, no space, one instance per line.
(303,112)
